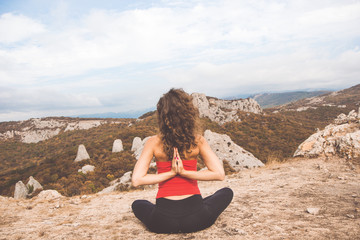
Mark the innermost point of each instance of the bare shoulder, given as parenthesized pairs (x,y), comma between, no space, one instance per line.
(154,140)
(200,140)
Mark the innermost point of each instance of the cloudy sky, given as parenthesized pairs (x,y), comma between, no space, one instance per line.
(68,57)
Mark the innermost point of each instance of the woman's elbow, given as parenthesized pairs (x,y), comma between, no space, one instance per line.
(135,182)
(221,176)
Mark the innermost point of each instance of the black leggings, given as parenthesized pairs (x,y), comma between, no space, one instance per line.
(187,215)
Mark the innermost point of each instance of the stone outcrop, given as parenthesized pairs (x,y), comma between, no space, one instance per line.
(49,195)
(82,154)
(34,185)
(37,129)
(226,149)
(86,169)
(83,125)
(117,146)
(341,138)
(29,190)
(21,190)
(351,117)
(119,184)
(222,111)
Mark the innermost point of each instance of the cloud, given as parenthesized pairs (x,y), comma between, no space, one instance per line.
(15,28)
(330,15)
(120,58)
(299,70)
(42,99)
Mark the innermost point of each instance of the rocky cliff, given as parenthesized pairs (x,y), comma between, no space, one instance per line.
(222,111)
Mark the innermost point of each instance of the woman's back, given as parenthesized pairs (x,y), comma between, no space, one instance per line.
(160,155)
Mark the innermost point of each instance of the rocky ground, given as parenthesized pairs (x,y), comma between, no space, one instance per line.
(271,202)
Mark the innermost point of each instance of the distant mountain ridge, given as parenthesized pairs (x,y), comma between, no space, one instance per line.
(347,98)
(127,114)
(268,100)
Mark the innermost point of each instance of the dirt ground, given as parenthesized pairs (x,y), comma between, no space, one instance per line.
(269,203)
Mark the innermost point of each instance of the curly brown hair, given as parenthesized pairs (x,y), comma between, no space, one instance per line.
(178,120)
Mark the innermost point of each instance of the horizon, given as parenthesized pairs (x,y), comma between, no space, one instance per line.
(65,58)
(140,112)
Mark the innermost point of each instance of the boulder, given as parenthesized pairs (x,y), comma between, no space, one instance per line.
(137,143)
(222,111)
(126,178)
(138,146)
(81,154)
(49,195)
(119,184)
(341,139)
(21,190)
(351,117)
(87,168)
(226,149)
(117,146)
(33,185)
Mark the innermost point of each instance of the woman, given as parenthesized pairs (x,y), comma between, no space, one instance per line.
(179,204)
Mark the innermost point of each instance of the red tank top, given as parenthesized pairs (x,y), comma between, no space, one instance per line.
(177,185)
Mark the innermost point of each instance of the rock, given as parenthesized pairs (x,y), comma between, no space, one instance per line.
(81,154)
(83,125)
(222,111)
(119,184)
(117,146)
(33,185)
(341,138)
(36,136)
(49,195)
(87,168)
(351,117)
(37,129)
(138,146)
(313,211)
(226,149)
(21,190)
(126,178)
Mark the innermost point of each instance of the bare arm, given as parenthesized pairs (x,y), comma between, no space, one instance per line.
(140,175)
(215,169)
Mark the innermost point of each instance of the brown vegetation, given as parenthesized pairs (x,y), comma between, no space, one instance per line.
(269,136)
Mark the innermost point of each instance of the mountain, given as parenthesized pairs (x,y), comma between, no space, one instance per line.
(267,100)
(347,98)
(273,134)
(128,114)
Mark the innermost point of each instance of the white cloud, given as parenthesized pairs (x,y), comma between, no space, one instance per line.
(15,28)
(330,15)
(102,56)
(299,70)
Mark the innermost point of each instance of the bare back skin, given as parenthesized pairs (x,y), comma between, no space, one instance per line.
(154,148)
(160,156)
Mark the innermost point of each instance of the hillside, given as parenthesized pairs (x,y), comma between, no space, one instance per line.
(268,100)
(270,136)
(272,202)
(348,98)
